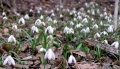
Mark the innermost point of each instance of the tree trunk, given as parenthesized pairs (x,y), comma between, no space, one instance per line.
(115,14)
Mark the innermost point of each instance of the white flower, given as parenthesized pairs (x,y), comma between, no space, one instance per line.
(101,23)
(68,30)
(71,23)
(86,4)
(101,15)
(98,11)
(21,20)
(87,30)
(95,26)
(115,44)
(61,16)
(3,14)
(41,17)
(105,13)
(38,22)
(105,41)
(92,19)
(82,9)
(71,30)
(110,28)
(78,25)
(39,9)
(42,50)
(79,17)
(9,60)
(26,16)
(31,10)
(5,18)
(54,21)
(57,9)
(34,29)
(14,27)
(88,11)
(93,12)
(50,55)
(53,14)
(49,29)
(85,20)
(104,33)
(97,35)
(49,19)
(12,39)
(71,59)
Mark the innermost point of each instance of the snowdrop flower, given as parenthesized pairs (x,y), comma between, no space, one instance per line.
(109,20)
(92,19)
(21,20)
(79,17)
(53,14)
(110,15)
(34,29)
(78,25)
(66,29)
(71,59)
(104,9)
(71,23)
(5,18)
(71,30)
(105,13)
(82,9)
(105,41)
(3,14)
(110,28)
(54,21)
(49,29)
(41,17)
(75,19)
(38,22)
(101,15)
(85,20)
(12,39)
(98,11)
(26,16)
(14,27)
(86,4)
(87,30)
(93,12)
(57,9)
(104,33)
(61,16)
(31,10)
(97,35)
(49,19)
(88,11)
(42,50)
(101,23)
(39,9)
(52,11)
(106,17)
(50,55)
(115,44)
(95,26)
(9,60)
(68,10)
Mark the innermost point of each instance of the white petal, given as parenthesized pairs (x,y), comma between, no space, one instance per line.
(5,61)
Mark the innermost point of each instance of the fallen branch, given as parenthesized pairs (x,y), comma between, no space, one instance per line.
(105,47)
